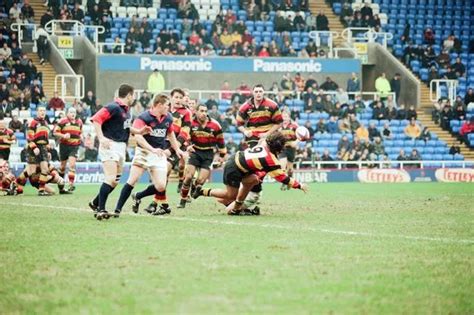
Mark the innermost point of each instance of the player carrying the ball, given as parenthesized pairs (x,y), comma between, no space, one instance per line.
(244,170)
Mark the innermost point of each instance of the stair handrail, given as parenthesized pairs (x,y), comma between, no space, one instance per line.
(372,36)
(98,29)
(17,27)
(347,33)
(79,87)
(435,86)
(77,27)
(100,47)
(316,36)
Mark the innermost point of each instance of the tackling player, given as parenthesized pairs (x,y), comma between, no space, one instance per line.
(7,138)
(112,125)
(7,179)
(206,134)
(150,154)
(69,131)
(287,157)
(244,170)
(257,118)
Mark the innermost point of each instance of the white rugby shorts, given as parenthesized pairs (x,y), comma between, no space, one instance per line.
(116,152)
(149,160)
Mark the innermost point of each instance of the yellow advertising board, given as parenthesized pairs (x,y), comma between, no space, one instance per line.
(65,42)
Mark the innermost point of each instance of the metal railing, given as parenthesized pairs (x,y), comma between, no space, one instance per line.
(435,89)
(64,27)
(100,47)
(69,82)
(317,36)
(370,36)
(382,164)
(18,27)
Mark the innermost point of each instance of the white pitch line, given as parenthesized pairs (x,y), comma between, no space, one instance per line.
(276,226)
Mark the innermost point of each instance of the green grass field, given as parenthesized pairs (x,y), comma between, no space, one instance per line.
(343,248)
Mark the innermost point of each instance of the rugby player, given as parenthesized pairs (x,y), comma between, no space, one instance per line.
(151,153)
(244,170)
(206,134)
(287,157)
(7,179)
(112,125)
(256,119)
(7,138)
(69,130)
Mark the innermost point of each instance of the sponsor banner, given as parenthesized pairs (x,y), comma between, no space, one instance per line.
(91,173)
(455,175)
(226,64)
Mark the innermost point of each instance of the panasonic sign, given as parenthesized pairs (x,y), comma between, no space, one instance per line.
(147,63)
(261,65)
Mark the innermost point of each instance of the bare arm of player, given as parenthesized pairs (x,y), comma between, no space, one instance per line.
(246,132)
(175,144)
(141,131)
(57,133)
(274,128)
(104,142)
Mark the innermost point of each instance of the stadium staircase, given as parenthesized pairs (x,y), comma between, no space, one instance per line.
(424,116)
(49,74)
(39,9)
(335,24)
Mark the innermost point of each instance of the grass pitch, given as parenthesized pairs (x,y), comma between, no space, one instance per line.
(343,248)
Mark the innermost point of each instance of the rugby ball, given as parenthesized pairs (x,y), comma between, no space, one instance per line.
(302,133)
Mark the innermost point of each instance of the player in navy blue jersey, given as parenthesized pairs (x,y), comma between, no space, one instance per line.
(112,125)
(151,154)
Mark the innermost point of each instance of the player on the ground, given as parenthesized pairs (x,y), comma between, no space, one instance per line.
(257,118)
(206,134)
(151,153)
(37,150)
(7,138)
(53,178)
(287,157)
(181,124)
(112,125)
(244,170)
(7,179)
(69,130)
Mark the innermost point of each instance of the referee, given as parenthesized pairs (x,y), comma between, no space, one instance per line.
(112,125)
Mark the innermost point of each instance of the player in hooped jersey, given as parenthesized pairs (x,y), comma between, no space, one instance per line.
(287,157)
(112,125)
(206,134)
(244,170)
(257,118)
(69,130)
(150,154)
(7,138)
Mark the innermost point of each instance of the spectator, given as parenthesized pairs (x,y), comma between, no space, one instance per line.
(309,99)
(144,100)
(425,134)
(391,111)
(28,12)
(326,157)
(454,149)
(429,36)
(310,128)
(344,144)
(42,43)
(15,124)
(321,126)
(377,147)
(56,103)
(366,11)
(22,102)
(469,97)
(5,51)
(379,112)
(386,132)
(322,22)
(382,85)
(373,132)
(448,43)
(77,13)
(395,85)
(353,84)
(329,85)
(5,109)
(442,60)
(91,152)
(226,92)
(411,113)
(415,156)
(401,112)
(362,133)
(211,101)
(332,125)
(459,112)
(299,22)
(412,130)
(458,68)
(318,104)
(342,97)
(231,146)
(402,156)
(466,129)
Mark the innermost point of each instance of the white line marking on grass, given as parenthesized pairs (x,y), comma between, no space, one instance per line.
(275,226)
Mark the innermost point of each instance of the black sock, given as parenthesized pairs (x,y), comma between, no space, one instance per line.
(95,202)
(124,194)
(149,191)
(104,192)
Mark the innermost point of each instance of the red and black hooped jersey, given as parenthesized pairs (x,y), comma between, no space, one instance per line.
(259,159)
(160,126)
(38,133)
(259,119)
(72,127)
(289,132)
(6,134)
(182,118)
(208,136)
